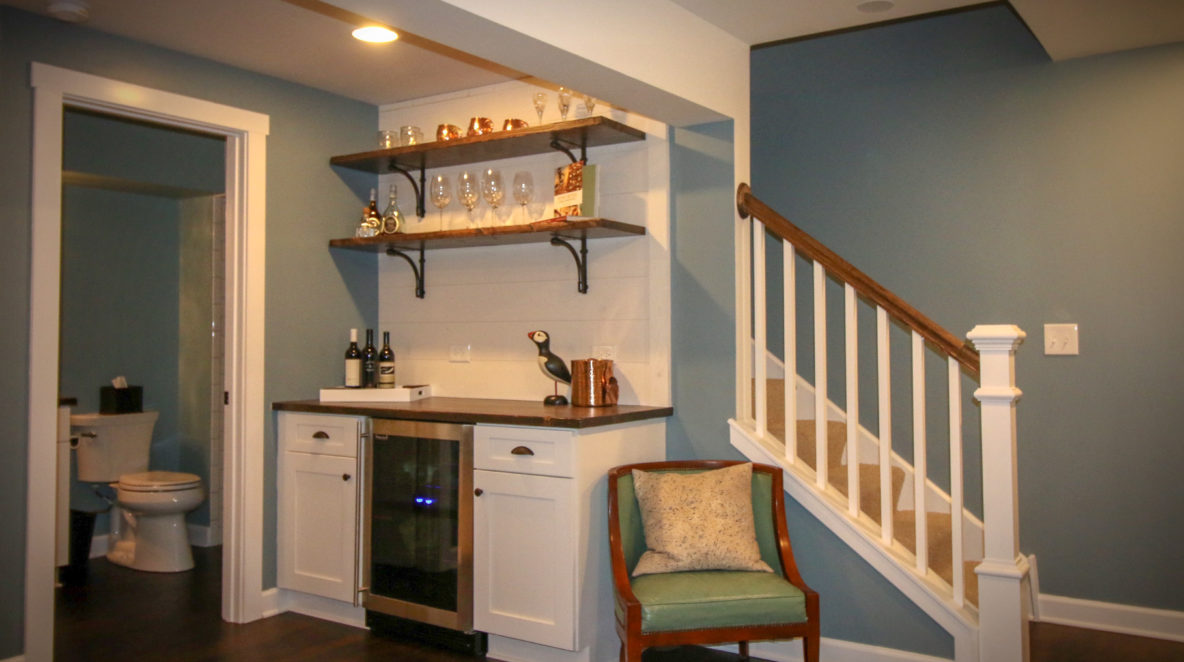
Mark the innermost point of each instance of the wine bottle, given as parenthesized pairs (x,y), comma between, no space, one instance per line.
(386,363)
(353,362)
(371,223)
(392,218)
(369,362)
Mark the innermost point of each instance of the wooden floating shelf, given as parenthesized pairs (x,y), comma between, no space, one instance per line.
(575,134)
(502,235)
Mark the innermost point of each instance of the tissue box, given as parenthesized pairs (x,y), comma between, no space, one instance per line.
(128,400)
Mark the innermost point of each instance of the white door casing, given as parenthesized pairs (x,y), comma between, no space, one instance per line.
(246,137)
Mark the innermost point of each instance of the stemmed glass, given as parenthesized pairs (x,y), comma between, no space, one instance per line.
(441,193)
(523,190)
(492,188)
(589,103)
(564,102)
(468,190)
(540,102)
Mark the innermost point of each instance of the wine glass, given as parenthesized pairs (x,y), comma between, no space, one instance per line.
(564,102)
(492,187)
(589,103)
(441,193)
(468,190)
(540,102)
(523,190)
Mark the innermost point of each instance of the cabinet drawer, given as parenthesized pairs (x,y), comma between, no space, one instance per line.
(324,434)
(540,451)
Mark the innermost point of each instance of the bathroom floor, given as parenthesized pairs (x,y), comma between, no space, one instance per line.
(122,614)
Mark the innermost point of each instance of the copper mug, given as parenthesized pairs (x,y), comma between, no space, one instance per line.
(511,124)
(447,132)
(593,384)
(480,126)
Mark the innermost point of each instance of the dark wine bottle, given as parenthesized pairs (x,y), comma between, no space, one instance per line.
(386,363)
(369,362)
(353,362)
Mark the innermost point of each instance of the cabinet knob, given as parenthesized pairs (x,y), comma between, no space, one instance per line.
(521,450)
(478,492)
(320,434)
(344,476)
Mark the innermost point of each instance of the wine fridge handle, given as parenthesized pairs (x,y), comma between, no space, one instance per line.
(361,579)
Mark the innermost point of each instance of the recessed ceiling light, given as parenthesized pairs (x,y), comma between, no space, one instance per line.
(70,11)
(875,6)
(375,34)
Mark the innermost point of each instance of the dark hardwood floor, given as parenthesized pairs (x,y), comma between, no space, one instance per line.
(121,614)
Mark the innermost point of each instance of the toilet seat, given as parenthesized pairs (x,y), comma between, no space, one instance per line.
(159,481)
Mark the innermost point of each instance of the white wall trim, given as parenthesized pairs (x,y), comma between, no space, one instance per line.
(1113,617)
(833,650)
(18,658)
(281,600)
(246,135)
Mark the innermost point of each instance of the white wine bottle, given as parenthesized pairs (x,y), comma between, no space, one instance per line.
(386,363)
(353,362)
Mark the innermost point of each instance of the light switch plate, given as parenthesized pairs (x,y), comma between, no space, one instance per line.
(1060,339)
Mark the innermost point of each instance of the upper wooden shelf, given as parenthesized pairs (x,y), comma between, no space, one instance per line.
(575,135)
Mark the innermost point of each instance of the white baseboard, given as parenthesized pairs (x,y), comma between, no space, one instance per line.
(832,650)
(278,600)
(1113,617)
(18,658)
(202,535)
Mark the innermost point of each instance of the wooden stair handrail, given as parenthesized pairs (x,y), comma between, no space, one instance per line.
(961,350)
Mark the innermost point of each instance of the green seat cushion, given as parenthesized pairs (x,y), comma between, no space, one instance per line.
(716,599)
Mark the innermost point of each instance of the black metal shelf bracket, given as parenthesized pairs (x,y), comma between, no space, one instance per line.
(420,273)
(420,192)
(581,259)
(561,145)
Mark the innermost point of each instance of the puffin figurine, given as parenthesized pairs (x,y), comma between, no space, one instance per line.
(552,366)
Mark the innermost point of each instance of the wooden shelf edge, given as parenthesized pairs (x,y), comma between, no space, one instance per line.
(537,232)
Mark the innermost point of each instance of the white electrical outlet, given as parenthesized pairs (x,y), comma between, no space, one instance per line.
(459,353)
(604,352)
(1060,339)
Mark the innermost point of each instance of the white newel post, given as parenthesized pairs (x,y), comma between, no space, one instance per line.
(1003,602)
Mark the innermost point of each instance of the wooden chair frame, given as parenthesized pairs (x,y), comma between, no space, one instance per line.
(634,641)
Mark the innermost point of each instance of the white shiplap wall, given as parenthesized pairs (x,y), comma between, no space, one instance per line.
(489,298)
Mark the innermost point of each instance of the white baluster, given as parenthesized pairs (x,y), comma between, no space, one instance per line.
(1003,589)
(743,286)
(820,399)
(852,338)
(760,339)
(920,474)
(884,375)
(956,494)
(790,311)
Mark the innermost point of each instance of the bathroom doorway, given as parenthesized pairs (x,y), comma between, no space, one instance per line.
(245,133)
(142,297)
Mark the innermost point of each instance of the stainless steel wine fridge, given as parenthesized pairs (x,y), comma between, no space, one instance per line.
(417,538)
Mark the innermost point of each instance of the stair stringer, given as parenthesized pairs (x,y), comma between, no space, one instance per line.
(928,592)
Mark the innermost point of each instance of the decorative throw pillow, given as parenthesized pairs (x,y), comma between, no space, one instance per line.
(697,521)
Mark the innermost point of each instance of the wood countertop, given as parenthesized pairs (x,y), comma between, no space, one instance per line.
(481,410)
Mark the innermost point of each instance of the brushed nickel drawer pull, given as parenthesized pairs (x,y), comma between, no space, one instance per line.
(521,450)
(320,434)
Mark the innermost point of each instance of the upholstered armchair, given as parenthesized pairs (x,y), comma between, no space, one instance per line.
(705,606)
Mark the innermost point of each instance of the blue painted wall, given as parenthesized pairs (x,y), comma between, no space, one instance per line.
(313,295)
(952,161)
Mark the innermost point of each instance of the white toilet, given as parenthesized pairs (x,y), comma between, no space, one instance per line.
(148,529)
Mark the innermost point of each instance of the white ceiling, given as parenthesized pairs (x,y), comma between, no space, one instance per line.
(306,41)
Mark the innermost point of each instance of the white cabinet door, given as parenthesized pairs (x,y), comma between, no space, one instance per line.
(524,557)
(318,524)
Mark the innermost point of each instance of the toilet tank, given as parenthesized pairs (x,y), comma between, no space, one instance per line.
(110,445)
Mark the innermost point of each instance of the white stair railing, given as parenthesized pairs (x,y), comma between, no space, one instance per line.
(1002,575)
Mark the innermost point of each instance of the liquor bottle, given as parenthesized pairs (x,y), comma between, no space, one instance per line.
(386,363)
(353,362)
(371,222)
(392,218)
(369,362)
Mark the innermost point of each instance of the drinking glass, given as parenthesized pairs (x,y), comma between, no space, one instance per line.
(492,187)
(540,102)
(523,190)
(441,192)
(589,103)
(564,102)
(468,190)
